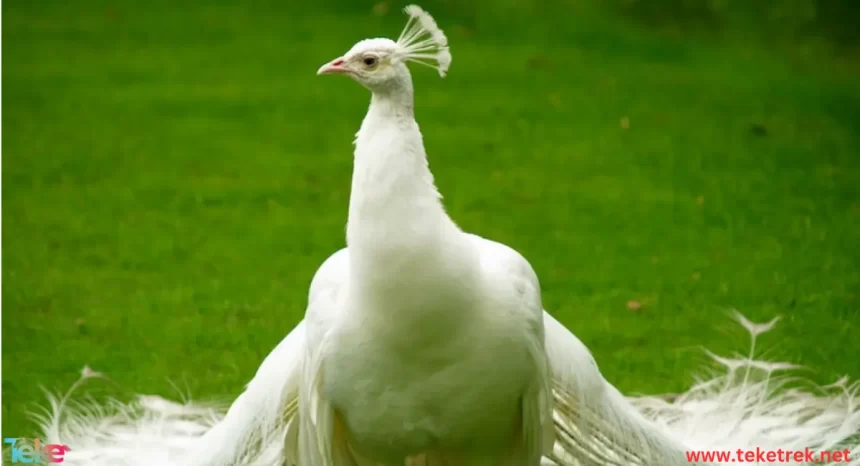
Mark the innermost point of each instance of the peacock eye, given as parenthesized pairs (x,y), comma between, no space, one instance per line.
(369,61)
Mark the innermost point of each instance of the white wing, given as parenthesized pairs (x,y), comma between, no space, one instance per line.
(510,269)
(264,425)
(251,433)
(253,429)
(316,436)
(595,424)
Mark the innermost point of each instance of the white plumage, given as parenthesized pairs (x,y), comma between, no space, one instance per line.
(424,345)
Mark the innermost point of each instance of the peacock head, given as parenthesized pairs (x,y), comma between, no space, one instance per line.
(379,64)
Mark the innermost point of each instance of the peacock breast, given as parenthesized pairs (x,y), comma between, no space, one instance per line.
(458,393)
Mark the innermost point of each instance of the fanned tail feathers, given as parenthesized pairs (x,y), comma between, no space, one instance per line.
(759,404)
(149,430)
(751,404)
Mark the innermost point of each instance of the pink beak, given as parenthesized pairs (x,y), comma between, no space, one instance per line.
(335,66)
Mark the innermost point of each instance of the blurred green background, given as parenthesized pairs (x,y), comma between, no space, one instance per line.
(174,173)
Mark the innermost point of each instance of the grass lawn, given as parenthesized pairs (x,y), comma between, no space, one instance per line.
(172,178)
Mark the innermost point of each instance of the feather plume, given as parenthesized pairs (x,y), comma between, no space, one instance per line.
(750,404)
(423,42)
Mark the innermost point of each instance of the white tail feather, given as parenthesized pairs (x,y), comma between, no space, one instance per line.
(150,430)
(760,404)
(434,47)
(752,404)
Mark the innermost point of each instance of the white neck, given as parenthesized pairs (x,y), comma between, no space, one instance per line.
(398,229)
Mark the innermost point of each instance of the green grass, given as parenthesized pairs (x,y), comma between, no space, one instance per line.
(172,179)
